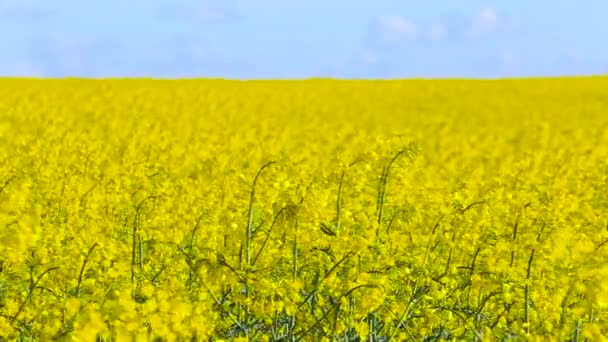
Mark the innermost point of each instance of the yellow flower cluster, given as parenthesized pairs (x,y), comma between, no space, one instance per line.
(311,210)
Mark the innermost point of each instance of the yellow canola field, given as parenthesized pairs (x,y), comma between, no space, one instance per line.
(318,210)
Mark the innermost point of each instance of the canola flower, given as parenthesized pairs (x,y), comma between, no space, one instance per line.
(317,210)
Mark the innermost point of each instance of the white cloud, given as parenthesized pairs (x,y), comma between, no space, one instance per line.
(369,57)
(26,12)
(487,20)
(60,55)
(206,10)
(21,69)
(198,51)
(438,32)
(396,28)
(509,59)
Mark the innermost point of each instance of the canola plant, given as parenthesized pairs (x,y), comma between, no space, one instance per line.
(317,210)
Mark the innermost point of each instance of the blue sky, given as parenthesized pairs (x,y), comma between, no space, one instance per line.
(300,39)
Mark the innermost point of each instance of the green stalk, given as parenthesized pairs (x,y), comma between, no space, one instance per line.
(527,292)
(30,294)
(249,236)
(383,182)
(84,264)
(135,236)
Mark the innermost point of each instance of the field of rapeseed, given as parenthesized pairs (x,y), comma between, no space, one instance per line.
(304,210)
